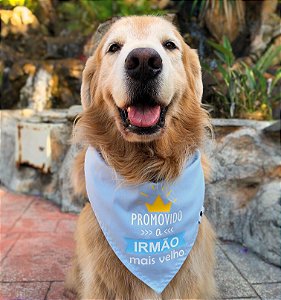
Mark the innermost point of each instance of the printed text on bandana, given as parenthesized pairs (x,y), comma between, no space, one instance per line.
(160,243)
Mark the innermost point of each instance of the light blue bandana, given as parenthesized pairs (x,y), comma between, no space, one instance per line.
(151,227)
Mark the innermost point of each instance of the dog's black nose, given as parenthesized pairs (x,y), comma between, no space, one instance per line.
(143,64)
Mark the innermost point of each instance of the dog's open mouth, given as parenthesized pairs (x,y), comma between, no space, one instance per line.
(143,119)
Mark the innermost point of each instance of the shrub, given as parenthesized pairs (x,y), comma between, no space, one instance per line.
(248,88)
(84,15)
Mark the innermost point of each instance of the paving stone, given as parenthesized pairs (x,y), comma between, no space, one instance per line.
(11,202)
(66,226)
(230,283)
(6,243)
(56,291)
(2,193)
(5,224)
(243,298)
(41,216)
(250,265)
(34,225)
(12,208)
(44,209)
(24,290)
(41,257)
(269,291)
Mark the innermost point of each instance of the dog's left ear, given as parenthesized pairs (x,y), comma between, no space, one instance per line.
(193,70)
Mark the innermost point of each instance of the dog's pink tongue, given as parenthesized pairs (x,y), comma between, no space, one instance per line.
(146,116)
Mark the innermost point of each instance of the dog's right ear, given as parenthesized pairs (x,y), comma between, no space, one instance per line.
(89,81)
(91,70)
(90,76)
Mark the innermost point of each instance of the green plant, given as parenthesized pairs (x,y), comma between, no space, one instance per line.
(136,7)
(256,89)
(84,15)
(225,65)
(241,88)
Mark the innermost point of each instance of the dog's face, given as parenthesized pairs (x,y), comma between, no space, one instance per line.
(142,69)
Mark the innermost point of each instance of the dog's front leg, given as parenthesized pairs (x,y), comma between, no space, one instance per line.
(96,289)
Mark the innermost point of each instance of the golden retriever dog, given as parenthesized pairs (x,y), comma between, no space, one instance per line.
(141,97)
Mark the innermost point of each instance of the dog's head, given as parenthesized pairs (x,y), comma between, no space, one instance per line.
(144,75)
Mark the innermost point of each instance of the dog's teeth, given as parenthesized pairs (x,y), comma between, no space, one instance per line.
(128,109)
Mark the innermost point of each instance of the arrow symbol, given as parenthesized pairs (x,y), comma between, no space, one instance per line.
(146,232)
(169,230)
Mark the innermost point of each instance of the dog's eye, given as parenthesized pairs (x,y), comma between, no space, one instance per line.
(170,45)
(114,48)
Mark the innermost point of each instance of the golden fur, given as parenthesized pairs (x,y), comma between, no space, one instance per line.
(96,272)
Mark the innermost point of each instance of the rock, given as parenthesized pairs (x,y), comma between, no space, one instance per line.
(225,21)
(38,70)
(273,131)
(251,26)
(46,12)
(73,111)
(262,26)
(246,166)
(42,84)
(69,74)
(51,116)
(268,29)
(7,157)
(63,46)
(37,91)
(17,21)
(13,76)
(27,175)
(261,227)
(69,202)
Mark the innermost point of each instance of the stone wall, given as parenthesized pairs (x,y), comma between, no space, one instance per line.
(27,173)
(242,198)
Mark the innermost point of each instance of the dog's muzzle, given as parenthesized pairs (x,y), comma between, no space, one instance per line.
(144,114)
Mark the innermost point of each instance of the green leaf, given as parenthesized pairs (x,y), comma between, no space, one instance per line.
(250,76)
(276,78)
(261,81)
(195,2)
(225,52)
(225,74)
(266,59)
